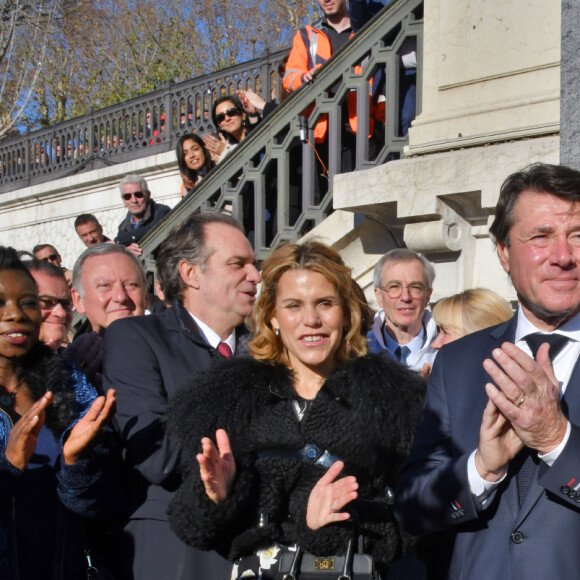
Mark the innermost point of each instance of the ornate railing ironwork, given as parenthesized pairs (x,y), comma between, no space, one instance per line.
(272,180)
(140,127)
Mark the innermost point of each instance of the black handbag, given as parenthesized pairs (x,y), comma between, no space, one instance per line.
(305,566)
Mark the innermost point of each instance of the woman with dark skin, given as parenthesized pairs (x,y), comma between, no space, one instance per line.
(309,431)
(50,421)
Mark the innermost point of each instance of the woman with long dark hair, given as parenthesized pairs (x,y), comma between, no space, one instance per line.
(232,123)
(193,159)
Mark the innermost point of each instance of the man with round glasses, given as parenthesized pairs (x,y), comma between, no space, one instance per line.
(404,329)
(143,213)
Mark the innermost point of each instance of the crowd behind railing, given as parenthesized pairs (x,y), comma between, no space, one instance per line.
(132,129)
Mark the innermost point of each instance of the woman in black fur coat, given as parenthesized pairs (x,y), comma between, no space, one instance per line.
(309,432)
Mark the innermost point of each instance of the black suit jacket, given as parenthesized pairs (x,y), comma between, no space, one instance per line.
(498,540)
(146,359)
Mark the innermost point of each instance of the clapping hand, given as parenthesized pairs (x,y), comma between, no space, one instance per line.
(217,467)
(24,435)
(528,395)
(524,410)
(251,101)
(498,444)
(328,497)
(85,434)
(215,146)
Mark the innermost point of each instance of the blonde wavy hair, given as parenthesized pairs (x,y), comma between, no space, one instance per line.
(471,310)
(265,345)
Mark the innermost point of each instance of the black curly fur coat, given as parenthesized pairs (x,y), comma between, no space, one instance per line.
(365,414)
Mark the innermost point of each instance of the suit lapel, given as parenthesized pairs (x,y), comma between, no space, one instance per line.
(534,493)
(571,398)
(571,408)
(505,331)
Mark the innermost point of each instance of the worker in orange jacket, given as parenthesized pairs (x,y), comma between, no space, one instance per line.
(312,47)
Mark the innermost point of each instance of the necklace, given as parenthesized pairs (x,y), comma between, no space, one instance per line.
(7,398)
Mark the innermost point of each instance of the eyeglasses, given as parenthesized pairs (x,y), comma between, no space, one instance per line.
(136,194)
(233,112)
(50,258)
(395,290)
(50,302)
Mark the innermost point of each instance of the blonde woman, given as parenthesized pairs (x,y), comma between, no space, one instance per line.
(309,430)
(467,312)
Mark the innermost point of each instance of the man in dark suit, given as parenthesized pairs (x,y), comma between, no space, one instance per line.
(496,462)
(207,268)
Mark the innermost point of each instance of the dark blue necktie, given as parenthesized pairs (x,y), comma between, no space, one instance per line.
(557,342)
(402,353)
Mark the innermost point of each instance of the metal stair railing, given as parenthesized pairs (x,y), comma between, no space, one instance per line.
(270,181)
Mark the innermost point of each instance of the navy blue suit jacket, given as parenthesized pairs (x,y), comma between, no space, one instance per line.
(499,540)
(147,359)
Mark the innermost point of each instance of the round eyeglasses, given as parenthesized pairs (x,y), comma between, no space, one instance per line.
(415,291)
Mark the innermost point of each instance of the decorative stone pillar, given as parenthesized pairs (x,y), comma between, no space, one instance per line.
(570,85)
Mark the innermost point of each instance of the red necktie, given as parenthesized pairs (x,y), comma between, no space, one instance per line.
(224,350)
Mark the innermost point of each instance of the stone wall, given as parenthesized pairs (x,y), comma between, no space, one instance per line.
(45,213)
(490,106)
(491,72)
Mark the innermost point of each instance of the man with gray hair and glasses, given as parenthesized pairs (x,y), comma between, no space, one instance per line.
(404,329)
(143,213)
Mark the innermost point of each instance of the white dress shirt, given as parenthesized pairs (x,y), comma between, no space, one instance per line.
(213,338)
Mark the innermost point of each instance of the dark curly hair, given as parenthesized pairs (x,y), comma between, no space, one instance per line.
(10,260)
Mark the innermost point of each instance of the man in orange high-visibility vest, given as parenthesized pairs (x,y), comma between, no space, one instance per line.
(312,47)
